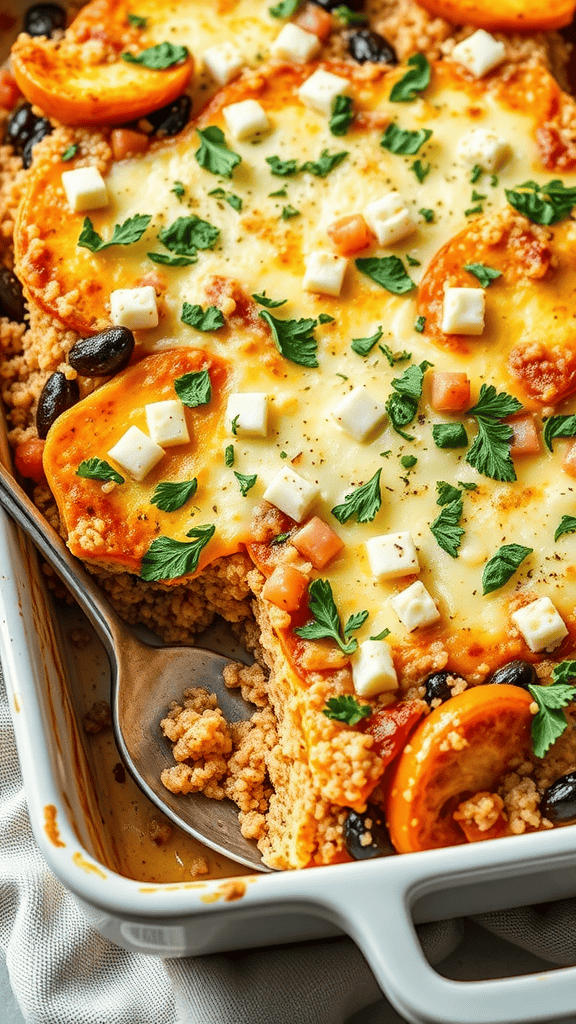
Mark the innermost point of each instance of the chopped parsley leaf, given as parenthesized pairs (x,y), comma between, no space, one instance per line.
(381,636)
(449,435)
(483,273)
(158,58)
(214,154)
(168,559)
(209,319)
(229,455)
(194,388)
(282,168)
(408,461)
(446,527)
(128,233)
(550,722)
(325,163)
(419,324)
(558,426)
(98,469)
(69,153)
(363,502)
(362,346)
(400,140)
(542,204)
(263,300)
(346,709)
(169,496)
(347,16)
(387,271)
(427,214)
(502,566)
(294,339)
(229,197)
(567,525)
(246,482)
(394,357)
(325,623)
(136,20)
(421,171)
(288,212)
(284,9)
(178,190)
(416,80)
(476,173)
(342,115)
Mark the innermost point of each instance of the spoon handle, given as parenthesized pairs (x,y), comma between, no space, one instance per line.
(106,622)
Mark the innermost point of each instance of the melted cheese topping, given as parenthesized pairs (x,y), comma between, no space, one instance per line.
(264,252)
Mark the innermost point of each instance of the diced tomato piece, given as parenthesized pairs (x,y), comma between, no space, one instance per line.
(525,440)
(313,19)
(569,460)
(28,459)
(391,727)
(126,142)
(350,234)
(450,392)
(317,542)
(9,91)
(285,587)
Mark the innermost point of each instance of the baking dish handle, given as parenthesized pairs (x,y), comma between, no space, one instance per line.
(379,919)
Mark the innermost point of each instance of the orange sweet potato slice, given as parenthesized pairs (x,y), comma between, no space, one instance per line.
(536,286)
(116,527)
(504,15)
(82,79)
(461,748)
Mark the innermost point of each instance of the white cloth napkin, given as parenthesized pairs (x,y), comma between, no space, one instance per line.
(64,972)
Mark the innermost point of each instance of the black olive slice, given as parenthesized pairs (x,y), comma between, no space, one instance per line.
(103,354)
(57,395)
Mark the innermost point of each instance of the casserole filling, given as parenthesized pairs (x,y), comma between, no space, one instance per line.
(305,359)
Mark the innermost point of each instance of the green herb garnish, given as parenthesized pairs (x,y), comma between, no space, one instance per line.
(325,623)
(346,709)
(169,497)
(484,274)
(136,20)
(194,388)
(342,115)
(347,16)
(325,163)
(387,271)
(229,197)
(246,482)
(168,559)
(214,154)
(542,204)
(502,566)
(158,58)
(427,214)
(229,455)
(449,435)
(288,212)
(394,357)
(558,426)
(363,502)
(282,168)
(490,450)
(263,300)
(294,339)
(381,636)
(414,81)
(446,527)
(408,461)
(400,140)
(550,722)
(178,190)
(402,404)
(98,469)
(567,525)
(419,324)
(362,346)
(69,153)
(210,319)
(284,9)
(128,233)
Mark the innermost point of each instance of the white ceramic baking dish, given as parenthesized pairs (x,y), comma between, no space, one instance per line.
(376,902)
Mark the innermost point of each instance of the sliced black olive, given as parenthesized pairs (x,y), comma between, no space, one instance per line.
(172,118)
(365,45)
(358,826)
(19,126)
(516,673)
(331,5)
(11,296)
(57,395)
(437,687)
(41,129)
(44,19)
(103,354)
(559,801)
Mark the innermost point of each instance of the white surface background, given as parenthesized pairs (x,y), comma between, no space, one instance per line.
(480,955)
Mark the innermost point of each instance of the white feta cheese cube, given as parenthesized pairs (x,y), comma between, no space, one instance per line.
(320,90)
(223,61)
(389,219)
(540,624)
(463,311)
(294,43)
(358,413)
(324,273)
(134,308)
(373,669)
(246,119)
(167,423)
(291,493)
(479,53)
(247,414)
(136,453)
(392,555)
(415,607)
(483,148)
(85,189)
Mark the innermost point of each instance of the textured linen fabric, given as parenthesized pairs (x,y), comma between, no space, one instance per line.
(64,972)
